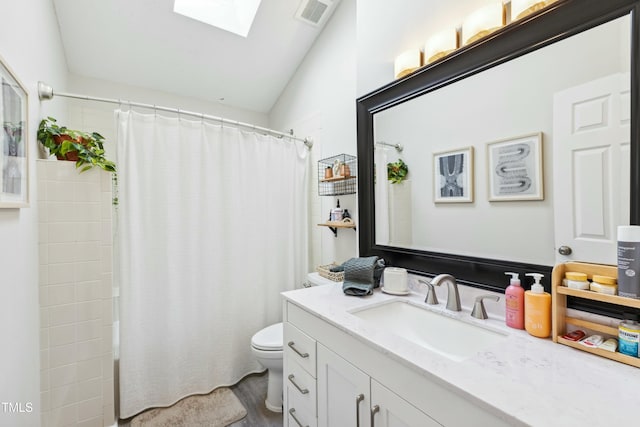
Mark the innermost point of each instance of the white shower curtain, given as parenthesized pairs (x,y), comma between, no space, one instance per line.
(212,226)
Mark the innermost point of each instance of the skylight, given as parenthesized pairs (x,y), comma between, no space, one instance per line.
(230,15)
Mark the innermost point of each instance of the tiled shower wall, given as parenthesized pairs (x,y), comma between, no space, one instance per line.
(76,351)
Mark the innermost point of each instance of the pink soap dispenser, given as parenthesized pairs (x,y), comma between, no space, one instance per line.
(514,296)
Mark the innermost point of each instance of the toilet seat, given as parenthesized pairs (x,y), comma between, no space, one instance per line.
(269,338)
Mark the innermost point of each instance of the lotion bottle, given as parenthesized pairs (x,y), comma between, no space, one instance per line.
(514,297)
(537,309)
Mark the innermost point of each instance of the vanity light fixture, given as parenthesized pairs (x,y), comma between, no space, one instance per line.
(522,8)
(440,45)
(407,62)
(483,22)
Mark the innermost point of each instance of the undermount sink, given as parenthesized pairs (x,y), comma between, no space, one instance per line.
(452,338)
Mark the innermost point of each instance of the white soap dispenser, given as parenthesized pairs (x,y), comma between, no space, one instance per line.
(537,309)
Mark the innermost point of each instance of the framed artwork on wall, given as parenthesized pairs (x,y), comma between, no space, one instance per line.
(515,168)
(453,176)
(14,156)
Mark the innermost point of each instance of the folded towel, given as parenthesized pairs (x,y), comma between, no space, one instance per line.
(361,275)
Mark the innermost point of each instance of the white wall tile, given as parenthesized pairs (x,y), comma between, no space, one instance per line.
(107,363)
(64,395)
(88,330)
(61,294)
(89,231)
(88,291)
(75,235)
(87,251)
(86,211)
(90,408)
(61,273)
(64,416)
(44,359)
(43,275)
(88,369)
(87,192)
(107,312)
(44,317)
(109,418)
(62,335)
(45,401)
(90,349)
(90,389)
(59,191)
(106,258)
(43,254)
(62,355)
(62,314)
(60,212)
(108,394)
(92,422)
(87,271)
(62,232)
(89,310)
(61,253)
(44,380)
(63,375)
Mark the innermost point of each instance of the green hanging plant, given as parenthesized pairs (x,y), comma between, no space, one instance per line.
(397,171)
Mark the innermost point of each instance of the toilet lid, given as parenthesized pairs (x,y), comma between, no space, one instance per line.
(269,338)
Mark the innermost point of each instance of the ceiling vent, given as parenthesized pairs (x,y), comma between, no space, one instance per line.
(314,12)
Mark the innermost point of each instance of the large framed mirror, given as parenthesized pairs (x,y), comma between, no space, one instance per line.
(533,84)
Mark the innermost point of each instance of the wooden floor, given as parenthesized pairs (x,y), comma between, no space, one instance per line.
(251,391)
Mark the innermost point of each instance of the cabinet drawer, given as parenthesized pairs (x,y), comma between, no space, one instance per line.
(300,347)
(299,417)
(301,387)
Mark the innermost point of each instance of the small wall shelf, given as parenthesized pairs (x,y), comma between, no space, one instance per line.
(335,225)
(560,320)
(335,175)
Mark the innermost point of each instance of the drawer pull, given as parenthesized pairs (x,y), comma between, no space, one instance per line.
(359,398)
(292,412)
(292,345)
(374,411)
(300,389)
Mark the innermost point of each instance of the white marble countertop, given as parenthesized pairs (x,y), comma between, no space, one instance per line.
(535,381)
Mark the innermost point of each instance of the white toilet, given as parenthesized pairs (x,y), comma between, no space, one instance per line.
(266,345)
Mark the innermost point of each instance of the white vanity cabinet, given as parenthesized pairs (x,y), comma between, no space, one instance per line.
(346,379)
(349,397)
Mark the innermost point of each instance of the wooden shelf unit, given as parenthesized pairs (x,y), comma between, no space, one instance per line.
(338,178)
(560,320)
(334,225)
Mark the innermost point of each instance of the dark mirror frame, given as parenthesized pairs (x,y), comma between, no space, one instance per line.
(558,21)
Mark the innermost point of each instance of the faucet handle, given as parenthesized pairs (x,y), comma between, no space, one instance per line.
(431,298)
(478,307)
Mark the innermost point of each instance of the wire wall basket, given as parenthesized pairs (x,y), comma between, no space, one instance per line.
(336,175)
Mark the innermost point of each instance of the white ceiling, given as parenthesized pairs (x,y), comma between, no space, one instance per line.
(144,43)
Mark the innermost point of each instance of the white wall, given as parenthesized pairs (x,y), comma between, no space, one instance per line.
(387,28)
(30,45)
(319,101)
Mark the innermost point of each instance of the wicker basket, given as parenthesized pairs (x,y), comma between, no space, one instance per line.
(325,271)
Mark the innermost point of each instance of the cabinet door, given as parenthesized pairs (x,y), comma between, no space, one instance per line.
(390,410)
(343,392)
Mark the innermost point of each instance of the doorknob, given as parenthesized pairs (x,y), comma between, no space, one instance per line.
(564,250)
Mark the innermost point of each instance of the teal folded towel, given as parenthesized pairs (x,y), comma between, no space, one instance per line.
(362,275)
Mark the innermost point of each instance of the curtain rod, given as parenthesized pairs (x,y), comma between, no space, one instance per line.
(398,147)
(45,92)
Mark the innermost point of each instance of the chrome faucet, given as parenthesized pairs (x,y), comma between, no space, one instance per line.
(453,297)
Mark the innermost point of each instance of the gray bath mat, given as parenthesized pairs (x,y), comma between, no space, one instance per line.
(217,409)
